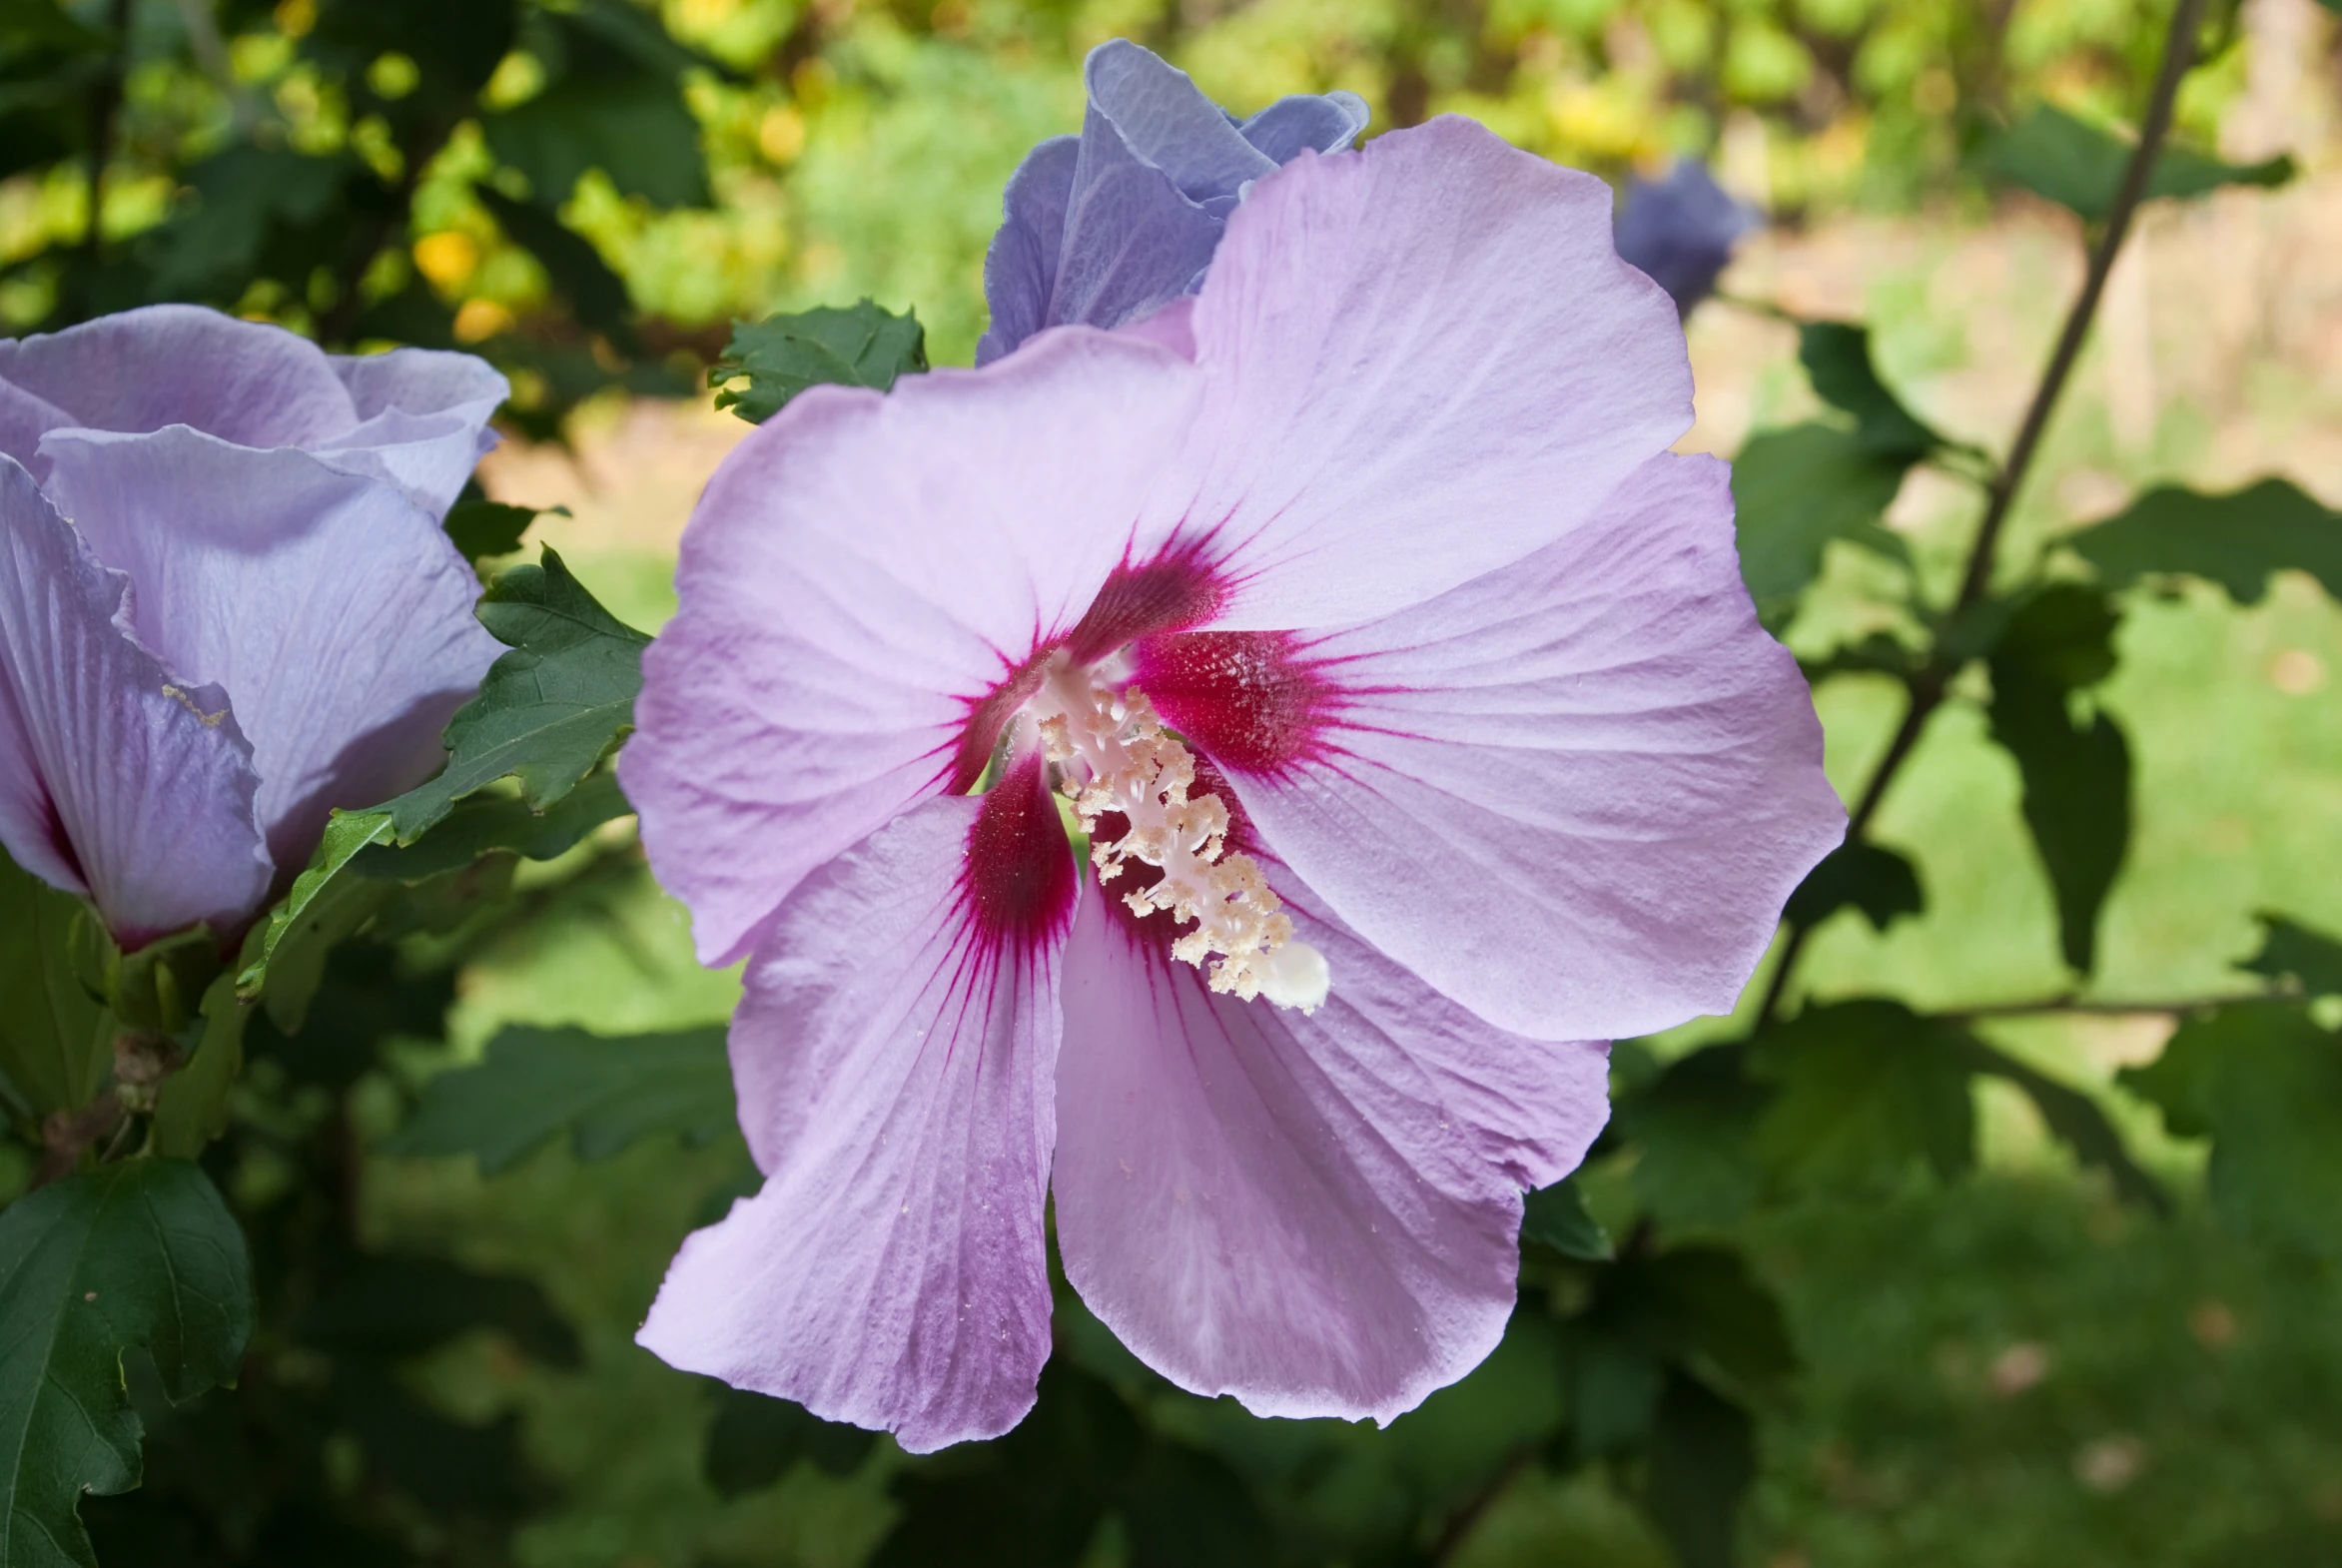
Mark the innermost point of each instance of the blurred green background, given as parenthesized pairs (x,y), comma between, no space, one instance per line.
(2008,1370)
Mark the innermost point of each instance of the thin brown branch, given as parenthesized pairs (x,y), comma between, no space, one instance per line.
(2070,1004)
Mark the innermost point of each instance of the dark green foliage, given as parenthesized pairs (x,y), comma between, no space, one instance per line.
(2235,540)
(781,356)
(2078,166)
(1703,1457)
(484,529)
(2264,1083)
(1866,1090)
(596,295)
(2291,951)
(1694,1124)
(1556,1216)
(49,63)
(2077,771)
(1795,491)
(2076,1117)
(55,1041)
(754,1441)
(614,103)
(142,1253)
(536,1083)
(1837,357)
(549,710)
(1857,875)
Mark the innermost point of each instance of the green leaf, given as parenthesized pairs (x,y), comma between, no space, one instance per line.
(1692,1126)
(1837,357)
(1795,491)
(484,529)
(617,106)
(2078,1118)
(781,356)
(1699,1306)
(754,1441)
(597,294)
(536,1083)
(56,1037)
(1857,875)
(193,1107)
(2294,952)
(142,1253)
(2265,1082)
(392,1305)
(2078,166)
(1556,1217)
(2077,774)
(284,957)
(1703,1460)
(2235,540)
(484,824)
(1866,1090)
(549,710)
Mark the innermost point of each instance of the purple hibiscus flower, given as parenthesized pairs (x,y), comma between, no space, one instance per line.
(1681,231)
(1424,735)
(1106,227)
(227,604)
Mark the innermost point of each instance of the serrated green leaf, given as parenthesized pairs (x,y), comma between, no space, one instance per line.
(2236,540)
(56,1037)
(2291,951)
(2078,166)
(2265,1082)
(2076,1117)
(1795,491)
(1837,357)
(1691,1126)
(1866,1090)
(1556,1216)
(549,710)
(284,957)
(484,529)
(534,1084)
(483,824)
(1857,875)
(782,355)
(142,1253)
(2076,775)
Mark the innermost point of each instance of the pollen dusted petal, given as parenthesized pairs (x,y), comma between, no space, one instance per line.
(116,779)
(1572,794)
(862,572)
(1424,361)
(895,1059)
(1318,1215)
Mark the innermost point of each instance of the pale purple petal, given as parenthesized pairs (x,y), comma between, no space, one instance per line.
(1021,267)
(894,1058)
(120,780)
(864,581)
(1153,108)
(336,616)
(1424,361)
(1316,1214)
(244,382)
(1305,122)
(423,417)
(1572,794)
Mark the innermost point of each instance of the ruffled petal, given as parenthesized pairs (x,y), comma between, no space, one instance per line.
(863,579)
(1305,122)
(894,1057)
(1424,361)
(1155,110)
(1020,267)
(422,421)
(335,616)
(119,780)
(244,382)
(1573,793)
(1316,1214)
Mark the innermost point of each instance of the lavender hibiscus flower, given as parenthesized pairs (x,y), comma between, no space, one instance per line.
(1106,227)
(227,604)
(1681,231)
(1424,737)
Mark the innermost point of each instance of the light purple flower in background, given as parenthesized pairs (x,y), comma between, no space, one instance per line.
(1103,228)
(1476,756)
(227,604)
(1681,231)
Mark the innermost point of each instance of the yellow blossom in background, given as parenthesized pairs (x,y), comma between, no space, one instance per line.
(480,319)
(446,258)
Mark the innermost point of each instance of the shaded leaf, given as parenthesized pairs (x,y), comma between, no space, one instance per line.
(2294,952)
(2078,1118)
(1857,875)
(549,710)
(1837,357)
(484,529)
(1691,1126)
(2235,540)
(534,1084)
(1700,1306)
(1556,1216)
(597,294)
(781,356)
(2078,166)
(238,198)
(754,1441)
(191,1109)
(1703,1460)
(2264,1081)
(483,824)
(56,1040)
(1795,491)
(142,1253)
(1865,1090)
(392,1305)
(284,957)
(617,106)
(2077,774)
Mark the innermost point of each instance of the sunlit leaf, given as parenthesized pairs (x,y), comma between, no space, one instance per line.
(781,356)
(2078,166)
(1837,357)
(1556,1216)
(141,1253)
(1795,491)
(2235,540)
(2076,1117)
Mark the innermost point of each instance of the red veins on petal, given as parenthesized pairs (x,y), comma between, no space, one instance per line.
(1248,698)
(1173,591)
(1017,882)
